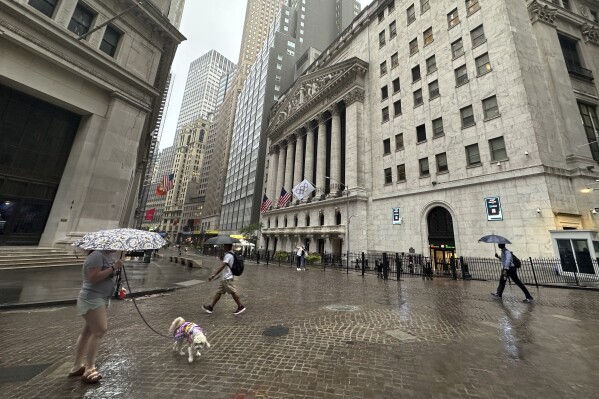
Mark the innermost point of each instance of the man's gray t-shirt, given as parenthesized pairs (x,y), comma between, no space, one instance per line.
(101,289)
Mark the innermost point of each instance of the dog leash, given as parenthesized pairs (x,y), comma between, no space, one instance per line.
(136,307)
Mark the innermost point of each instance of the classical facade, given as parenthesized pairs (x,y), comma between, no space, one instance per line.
(427,125)
(79,97)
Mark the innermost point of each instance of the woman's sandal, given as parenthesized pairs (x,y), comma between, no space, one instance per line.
(78,372)
(92,377)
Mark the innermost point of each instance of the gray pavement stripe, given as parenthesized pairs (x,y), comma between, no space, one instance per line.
(559,316)
(189,283)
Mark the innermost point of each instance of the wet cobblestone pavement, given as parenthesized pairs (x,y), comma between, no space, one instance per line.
(337,336)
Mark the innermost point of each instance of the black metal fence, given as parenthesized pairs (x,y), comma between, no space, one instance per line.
(537,271)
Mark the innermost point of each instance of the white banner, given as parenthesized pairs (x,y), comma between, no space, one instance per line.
(303,189)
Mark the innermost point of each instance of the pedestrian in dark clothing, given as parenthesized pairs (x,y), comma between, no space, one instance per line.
(509,271)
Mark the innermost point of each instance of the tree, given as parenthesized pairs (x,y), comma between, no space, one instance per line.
(251,230)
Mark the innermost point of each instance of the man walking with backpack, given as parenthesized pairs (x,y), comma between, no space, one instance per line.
(231,262)
(509,271)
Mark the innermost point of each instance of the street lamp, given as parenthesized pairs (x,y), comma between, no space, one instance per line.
(346,214)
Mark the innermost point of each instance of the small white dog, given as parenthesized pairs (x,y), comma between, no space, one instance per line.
(188,333)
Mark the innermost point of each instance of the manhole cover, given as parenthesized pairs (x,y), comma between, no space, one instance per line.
(276,331)
(21,373)
(342,308)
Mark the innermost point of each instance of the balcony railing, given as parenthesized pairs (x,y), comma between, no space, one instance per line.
(580,72)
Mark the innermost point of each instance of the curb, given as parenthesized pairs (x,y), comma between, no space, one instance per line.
(29,305)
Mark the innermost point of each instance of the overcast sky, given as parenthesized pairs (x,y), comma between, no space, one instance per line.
(207,25)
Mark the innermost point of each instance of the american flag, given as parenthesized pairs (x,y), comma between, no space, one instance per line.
(266,203)
(284,198)
(168,181)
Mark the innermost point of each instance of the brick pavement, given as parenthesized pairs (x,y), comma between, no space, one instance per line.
(348,337)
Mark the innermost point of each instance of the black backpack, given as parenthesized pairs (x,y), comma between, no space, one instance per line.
(237,267)
(517,262)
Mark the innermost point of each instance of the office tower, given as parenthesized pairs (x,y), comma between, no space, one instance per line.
(201,88)
(301,29)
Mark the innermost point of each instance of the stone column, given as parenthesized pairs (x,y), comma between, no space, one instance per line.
(335,150)
(289,165)
(309,163)
(321,156)
(354,141)
(280,173)
(273,171)
(298,174)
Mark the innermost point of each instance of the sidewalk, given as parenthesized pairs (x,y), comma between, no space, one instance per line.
(60,285)
(321,334)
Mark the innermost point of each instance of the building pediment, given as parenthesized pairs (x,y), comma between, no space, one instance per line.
(311,89)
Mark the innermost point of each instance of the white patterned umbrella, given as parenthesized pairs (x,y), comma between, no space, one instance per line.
(121,240)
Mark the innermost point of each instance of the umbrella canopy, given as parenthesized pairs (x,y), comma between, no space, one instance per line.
(121,240)
(494,239)
(221,240)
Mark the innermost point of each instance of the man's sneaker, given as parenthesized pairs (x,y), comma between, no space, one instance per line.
(528,300)
(496,295)
(207,308)
(298,269)
(239,310)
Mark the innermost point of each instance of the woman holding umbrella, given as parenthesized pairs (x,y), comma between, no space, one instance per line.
(93,300)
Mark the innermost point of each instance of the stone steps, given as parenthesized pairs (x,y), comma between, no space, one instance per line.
(37,257)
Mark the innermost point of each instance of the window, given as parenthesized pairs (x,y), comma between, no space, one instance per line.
(566,4)
(438,127)
(595,16)
(385,113)
(441,160)
(388,176)
(453,18)
(472,155)
(472,6)
(411,12)
(396,87)
(424,6)
(467,114)
(431,64)
(381,16)
(423,166)
(391,6)
(386,146)
(482,64)
(383,68)
(82,20)
(478,36)
(110,40)
(394,60)
(416,73)
(46,7)
(382,39)
(497,147)
(397,108)
(571,56)
(392,30)
(384,93)
(591,124)
(428,36)
(418,98)
(401,172)
(461,75)
(490,108)
(420,133)
(457,48)
(414,46)
(433,89)
(399,141)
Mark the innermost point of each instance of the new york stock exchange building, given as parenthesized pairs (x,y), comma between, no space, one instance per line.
(427,125)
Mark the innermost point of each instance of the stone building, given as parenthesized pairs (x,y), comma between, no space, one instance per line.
(79,98)
(428,124)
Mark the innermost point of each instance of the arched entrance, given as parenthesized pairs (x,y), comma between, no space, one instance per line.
(441,239)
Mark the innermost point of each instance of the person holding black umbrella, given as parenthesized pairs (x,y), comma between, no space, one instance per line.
(509,270)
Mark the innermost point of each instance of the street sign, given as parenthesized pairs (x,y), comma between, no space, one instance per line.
(493,207)
(396,216)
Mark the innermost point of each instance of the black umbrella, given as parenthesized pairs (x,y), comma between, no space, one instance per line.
(221,240)
(494,239)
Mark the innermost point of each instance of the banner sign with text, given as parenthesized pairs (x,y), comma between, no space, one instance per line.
(493,207)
